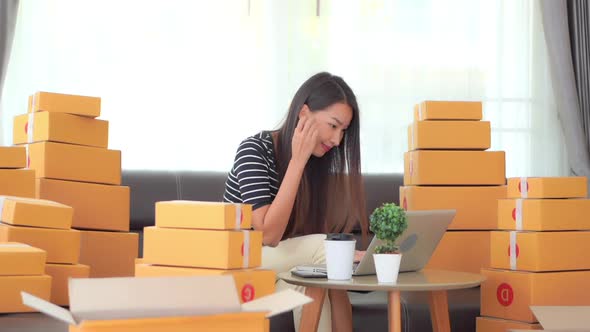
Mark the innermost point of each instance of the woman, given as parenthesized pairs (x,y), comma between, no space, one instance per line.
(303,181)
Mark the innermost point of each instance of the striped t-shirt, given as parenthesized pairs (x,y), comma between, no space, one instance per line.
(253,178)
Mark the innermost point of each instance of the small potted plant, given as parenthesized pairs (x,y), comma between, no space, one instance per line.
(388,222)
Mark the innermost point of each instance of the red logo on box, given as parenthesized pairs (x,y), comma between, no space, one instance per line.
(26,127)
(519,187)
(517,250)
(405,204)
(242,250)
(241,218)
(28,161)
(514,214)
(505,294)
(248,293)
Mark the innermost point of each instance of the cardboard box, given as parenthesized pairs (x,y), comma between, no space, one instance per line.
(35,212)
(477,207)
(490,324)
(202,248)
(540,251)
(13,157)
(75,162)
(427,167)
(548,187)
(109,254)
(139,304)
(62,246)
(60,275)
(17,182)
(509,294)
(60,127)
(543,214)
(251,284)
(12,286)
(96,206)
(448,110)
(449,135)
(462,251)
(203,215)
(63,103)
(563,318)
(19,259)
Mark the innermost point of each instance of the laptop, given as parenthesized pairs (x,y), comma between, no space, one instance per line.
(417,243)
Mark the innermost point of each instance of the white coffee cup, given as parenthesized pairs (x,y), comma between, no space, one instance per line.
(339,256)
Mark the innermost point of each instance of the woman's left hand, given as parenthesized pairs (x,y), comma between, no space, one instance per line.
(358,255)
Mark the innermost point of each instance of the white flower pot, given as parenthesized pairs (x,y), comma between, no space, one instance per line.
(387,267)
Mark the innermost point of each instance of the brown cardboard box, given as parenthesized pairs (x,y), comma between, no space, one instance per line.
(63,103)
(62,246)
(427,167)
(202,248)
(509,294)
(75,162)
(562,318)
(477,207)
(548,187)
(96,206)
(17,182)
(11,286)
(203,215)
(540,251)
(60,274)
(490,324)
(250,283)
(543,214)
(35,212)
(449,135)
(60,127)
(138,304)
(462,251)
(448,110)
(109,254)
(13,157)
(21,259)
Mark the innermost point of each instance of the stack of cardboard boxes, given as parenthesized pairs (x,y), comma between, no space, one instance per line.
(21,269)
(206,238)
(67,149)
(447,167)
(539,254)
(45,225)
(15,180)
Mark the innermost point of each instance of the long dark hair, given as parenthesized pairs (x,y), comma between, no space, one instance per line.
(331,195)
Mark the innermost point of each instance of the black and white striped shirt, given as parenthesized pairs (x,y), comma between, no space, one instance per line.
(253,178)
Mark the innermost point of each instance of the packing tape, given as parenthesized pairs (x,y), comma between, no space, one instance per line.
(246,249)
(513,250)
(518,214)
(524,187)
(238,216)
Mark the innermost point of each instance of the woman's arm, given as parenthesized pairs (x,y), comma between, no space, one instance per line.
(272,219)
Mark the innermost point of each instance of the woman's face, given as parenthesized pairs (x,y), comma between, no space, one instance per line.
(331,123)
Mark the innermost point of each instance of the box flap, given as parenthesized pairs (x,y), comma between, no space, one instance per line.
(122,298)
(277,303)
(47,308)
(563,317)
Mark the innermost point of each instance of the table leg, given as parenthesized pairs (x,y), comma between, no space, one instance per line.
(439,311)
(310,315)
(394,312)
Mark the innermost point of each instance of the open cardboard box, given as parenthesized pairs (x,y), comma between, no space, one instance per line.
(562,318)
(200,303)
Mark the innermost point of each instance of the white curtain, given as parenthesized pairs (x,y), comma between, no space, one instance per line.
(183,82)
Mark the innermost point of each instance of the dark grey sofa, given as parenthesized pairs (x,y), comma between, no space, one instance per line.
(369,309)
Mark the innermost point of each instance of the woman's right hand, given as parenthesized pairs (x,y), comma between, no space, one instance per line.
(304,140)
